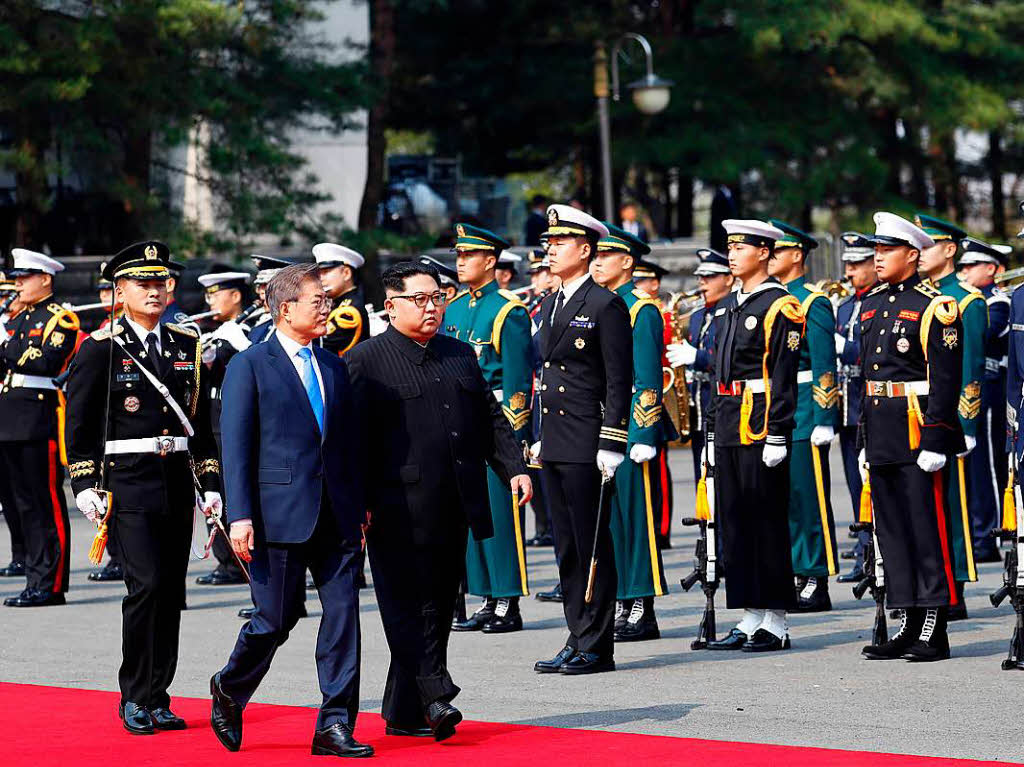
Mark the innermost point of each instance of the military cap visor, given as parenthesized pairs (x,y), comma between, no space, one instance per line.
(621,240)
(447,273)
(711,263)
(648,270)
(938,229)
(751,232)
(567,220)
(469,237)
(978,252)
(793,237)
(142,261)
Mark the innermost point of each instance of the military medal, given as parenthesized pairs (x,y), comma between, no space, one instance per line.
(903,345)
(579,343)
(750,323)
(131,404)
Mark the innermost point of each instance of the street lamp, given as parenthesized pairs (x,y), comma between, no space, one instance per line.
(650,95)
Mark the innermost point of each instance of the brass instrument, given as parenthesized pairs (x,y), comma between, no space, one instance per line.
(675,394)
(835,290)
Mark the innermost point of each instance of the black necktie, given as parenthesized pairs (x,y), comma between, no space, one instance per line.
(153,354)
(559,303)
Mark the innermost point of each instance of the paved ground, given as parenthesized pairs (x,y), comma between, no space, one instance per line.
(821,693)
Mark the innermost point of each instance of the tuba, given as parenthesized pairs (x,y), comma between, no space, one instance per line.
(675,394)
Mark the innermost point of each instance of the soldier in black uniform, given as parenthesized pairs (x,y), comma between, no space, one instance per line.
(586,343)
(127,437)
(912,353)
(749,430)
(348,323)
(36,348)
(261,322)
(16,568)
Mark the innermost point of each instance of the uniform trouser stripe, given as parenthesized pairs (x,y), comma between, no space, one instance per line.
(652,542)
(965,521)
(666,490)
(58,516)
(819,484)
(520,550)
(940,518)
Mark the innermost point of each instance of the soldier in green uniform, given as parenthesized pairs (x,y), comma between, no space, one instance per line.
(497,325)
(812,528)
(938,263)
(636,497)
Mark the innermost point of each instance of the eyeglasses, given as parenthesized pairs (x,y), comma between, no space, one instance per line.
(420,299)
(318,304)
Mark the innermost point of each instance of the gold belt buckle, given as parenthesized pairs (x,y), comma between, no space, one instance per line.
(165,445)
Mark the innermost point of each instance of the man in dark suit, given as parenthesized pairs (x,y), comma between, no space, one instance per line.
(292,476)
(434,423)
(586,343)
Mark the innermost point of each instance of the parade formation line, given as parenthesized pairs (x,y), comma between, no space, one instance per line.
(91,734)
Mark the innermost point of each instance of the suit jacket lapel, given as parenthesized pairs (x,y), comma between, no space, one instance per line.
(284,366)
(567,312)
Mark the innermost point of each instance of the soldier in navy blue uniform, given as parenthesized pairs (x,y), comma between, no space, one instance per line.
(1015,374)
(173,313)
(859,267)
(987,465)
(260,322)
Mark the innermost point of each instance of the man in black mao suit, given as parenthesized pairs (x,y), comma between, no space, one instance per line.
(586,343)
(432,423)
(292,479)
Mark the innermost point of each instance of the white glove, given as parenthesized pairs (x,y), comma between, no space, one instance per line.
(642,453)
(232,333)
(862,465)
(929,461)
(91,504)
(608,462)
(822,435)
(212,503)
(680,354)
(377,325)
(535,451)
(972,442)
(773,455)
(708,454)
(840,343)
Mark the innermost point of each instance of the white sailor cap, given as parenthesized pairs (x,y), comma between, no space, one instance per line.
(224,280)
(31,262)
(891,229)
(751,231)
(565,219)
(328,254)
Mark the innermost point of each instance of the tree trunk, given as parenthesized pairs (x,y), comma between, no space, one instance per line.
(916,161)
(994,161)
(382,64)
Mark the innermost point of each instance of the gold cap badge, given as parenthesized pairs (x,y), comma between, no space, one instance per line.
(151,254)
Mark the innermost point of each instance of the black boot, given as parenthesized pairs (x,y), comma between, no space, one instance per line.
(555,595)
(958,612)
(622,608)
(476,621)
(814,598)
(506,617)
(933,643)
(910,628)
(112,572)
(641,624)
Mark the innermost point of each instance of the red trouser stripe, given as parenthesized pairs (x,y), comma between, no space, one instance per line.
(666,511)
(58,518)
(940,515)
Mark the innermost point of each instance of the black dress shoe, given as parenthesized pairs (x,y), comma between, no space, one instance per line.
(587,663)
(734,640)
(221,577)
(165,719)
(476,621)
(135,719)
(641,624)
(248,612)
(13,570)
(112,572)
(991,555)
(421,730)
(555,595)
(337,740)
(506,618)
(541,539)
(856,575)
(818,601)
(225,716)
(35,598)
(765,641)
(552,666)
(850,554)
(442,718)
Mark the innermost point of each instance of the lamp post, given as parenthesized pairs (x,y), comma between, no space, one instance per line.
(650,95)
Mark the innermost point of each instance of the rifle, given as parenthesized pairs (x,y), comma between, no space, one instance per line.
(1013,574)
(705,558)
(874,569)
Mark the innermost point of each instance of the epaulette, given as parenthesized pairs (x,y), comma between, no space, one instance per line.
(104,333)
(510,296)
(511,304)
(55,308)
(642,294)
(928,289)
(877,289)
(634,310)
(179,329)
(458,296)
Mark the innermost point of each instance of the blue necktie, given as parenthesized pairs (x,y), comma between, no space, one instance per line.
(316,400)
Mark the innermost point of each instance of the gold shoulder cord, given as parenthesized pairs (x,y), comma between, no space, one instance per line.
(791,310)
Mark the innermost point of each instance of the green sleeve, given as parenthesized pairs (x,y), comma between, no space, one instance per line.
(975,319)
(821,328)
(516,373)
(645,408)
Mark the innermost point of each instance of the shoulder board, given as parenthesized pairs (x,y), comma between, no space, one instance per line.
(966,300)
(805,305)
(510,296)
(104,333)
(56,308)
(458,296)
(634,310)
(642,294)
(181,330)
(928,289)
(345,302)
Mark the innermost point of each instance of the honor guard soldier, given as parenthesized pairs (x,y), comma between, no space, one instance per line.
(449,279)
(497,325)
(636,496)
(587,351)
(348,323)
(986,464)
(859,268)
(812,528)
(173,312)
(753,412)
(138,427)
(938,264)
(227,293)
(1015,375)
(648,276)
(912,355)
(542,284)
(10,307)
(507,268)
(260,322)
(36,347)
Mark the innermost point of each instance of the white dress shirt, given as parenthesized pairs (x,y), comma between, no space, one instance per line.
(143,334)
(569,289)
(291,348)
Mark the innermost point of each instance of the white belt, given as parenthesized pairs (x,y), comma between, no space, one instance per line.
(896,388)
(158,445)
(22,381)
(756,385)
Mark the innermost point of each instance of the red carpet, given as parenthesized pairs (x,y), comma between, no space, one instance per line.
(87,732)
